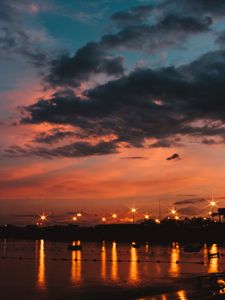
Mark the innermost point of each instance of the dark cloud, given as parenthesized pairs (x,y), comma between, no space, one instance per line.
(126,107)
(90,60)
(76,149)
(174,156)
(216,7)
(14,37)
(221,39)
(137,14)
(190,201)
(53,135)
(191,210)
(170,31)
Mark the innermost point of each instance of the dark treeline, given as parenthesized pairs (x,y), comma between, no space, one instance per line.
(188,230)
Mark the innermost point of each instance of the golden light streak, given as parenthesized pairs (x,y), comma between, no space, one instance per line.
(41,281)
(146,247)
(114,265)
(76,264)
(133,271)
(182,295)
(103,261)
(174,269)
(214,261)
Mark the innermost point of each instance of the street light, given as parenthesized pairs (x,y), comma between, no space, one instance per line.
(79,214)
(133,210)
(146,217)
(114,216)
(103,219)
(173,211)
(43,218)
(212,203)
(74,218)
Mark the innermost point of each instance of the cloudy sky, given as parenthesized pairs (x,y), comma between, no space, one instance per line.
(110,104)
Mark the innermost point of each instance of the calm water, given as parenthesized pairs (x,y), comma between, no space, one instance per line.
(47,270)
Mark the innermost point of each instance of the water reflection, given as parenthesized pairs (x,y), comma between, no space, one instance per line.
(75,264)
(182,295)
(174,269)
(205,255)
(114,265)
(133,272)
(103,261)
(41,280)
(4,247)
(214,261)
(146,247)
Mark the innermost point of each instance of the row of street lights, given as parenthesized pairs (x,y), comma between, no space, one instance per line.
(173,213)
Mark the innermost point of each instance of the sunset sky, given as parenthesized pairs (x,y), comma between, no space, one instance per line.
(110,104)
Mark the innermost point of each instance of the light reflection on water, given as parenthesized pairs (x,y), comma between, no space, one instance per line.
(114,265)
(76,260)
(174,260)
(182,295)
(41,279)
(146,247)
(105,264)
(214,261)
(133,272)
(205,255)
(103,261)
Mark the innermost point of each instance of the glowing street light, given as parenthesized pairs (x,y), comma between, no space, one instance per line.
(103,219)
(74,218)
(157,221)
(146,217)
(173,212)
(213,203)
(79,214)
(114,216)
(43,218)
(133,210)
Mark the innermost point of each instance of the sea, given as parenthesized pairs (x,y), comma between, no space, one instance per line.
(42,269)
